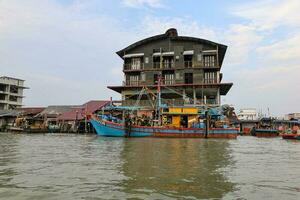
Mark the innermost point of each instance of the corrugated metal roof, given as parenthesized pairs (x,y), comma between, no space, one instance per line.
(9,113)
(79,112)
(31,110)
(54,111)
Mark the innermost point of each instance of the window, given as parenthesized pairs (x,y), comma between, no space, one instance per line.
(169,79)
(210,61)
(188,78)
(210,77)
(136,63)
(132,80)
(188,61)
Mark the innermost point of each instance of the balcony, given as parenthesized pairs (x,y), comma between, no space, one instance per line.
(131,83)
(131,67)
(146,103)
(211,81)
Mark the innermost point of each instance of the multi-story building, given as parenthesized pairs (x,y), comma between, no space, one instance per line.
(11,93)
(293,116)
(247,114)
(189,68)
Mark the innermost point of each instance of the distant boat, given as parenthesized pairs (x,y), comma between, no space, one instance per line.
(265,129)
(293,136)
(293,132)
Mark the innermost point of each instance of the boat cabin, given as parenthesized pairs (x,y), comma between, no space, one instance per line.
(179,116)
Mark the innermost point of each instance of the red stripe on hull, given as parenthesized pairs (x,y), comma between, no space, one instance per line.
(266,134)
(195,135)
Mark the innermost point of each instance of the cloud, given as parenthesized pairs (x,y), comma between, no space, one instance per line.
(269,14)
(143,3)
(64,53)
(152,25)
(284,50)
(242,40)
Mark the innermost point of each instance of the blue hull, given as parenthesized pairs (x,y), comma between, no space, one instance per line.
(114,130)
(104,128)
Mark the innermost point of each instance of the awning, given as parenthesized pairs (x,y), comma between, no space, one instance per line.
(189,52)
(170,53)
(133,55)
(209,51)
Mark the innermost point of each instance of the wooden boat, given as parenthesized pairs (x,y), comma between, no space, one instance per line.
(164,121)
(265,132)
(291,136)
(265,128)
(107,128)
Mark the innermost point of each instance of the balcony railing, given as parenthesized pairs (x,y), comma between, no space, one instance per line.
(131,83)
(165,65)
(168,82)
(169,102)
(131,66)
(212,80)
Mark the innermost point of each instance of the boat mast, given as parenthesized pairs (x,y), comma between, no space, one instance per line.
(159,90)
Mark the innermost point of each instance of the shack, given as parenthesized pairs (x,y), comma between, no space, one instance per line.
(76,119)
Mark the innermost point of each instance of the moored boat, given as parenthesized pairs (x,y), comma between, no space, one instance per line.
(293,132)
(265,128)
(187,125)
(293,136)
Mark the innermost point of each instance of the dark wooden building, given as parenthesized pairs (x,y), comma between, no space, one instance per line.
(189,67)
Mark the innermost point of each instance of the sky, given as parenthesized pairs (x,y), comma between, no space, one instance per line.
(65,49)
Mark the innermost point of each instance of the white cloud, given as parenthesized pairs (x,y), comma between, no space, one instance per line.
(152,25)
(241,40)
(142,3)
(269,14)
(285,50)
(65,55)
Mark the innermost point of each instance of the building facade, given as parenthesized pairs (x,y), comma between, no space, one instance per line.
(247,114)
(291,116)
(11,93)
(189,69)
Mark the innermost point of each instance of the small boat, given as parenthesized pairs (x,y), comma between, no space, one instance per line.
(265,128)
(293,132)
(292,136)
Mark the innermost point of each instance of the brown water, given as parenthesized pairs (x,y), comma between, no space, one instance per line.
(58,166)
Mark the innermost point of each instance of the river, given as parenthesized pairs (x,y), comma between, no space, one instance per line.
(62,166)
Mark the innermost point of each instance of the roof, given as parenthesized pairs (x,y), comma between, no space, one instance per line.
(224,87)
(54,111)
(79,112)
(31,110)
(174,37)
(11,78)
(9,113)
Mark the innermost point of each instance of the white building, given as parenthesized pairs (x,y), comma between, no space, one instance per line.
(292,116)
(247,114)
(11,92)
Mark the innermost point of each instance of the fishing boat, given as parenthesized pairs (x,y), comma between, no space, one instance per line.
(111,126)
(165,121)
(265,128)
(293,136)
(293,132)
